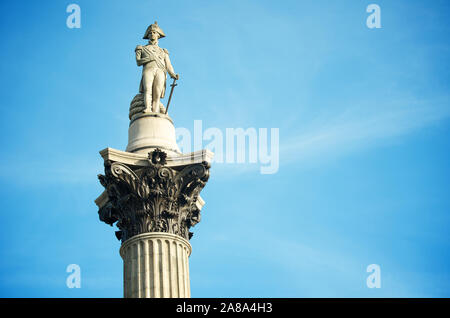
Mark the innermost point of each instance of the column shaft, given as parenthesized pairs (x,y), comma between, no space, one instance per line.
(156,265)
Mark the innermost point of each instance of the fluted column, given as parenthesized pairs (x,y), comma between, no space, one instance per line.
(156,265)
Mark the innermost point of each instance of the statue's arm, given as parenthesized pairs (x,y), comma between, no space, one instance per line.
(139,59)
(169,66)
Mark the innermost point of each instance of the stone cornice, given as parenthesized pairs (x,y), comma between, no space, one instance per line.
(139,159)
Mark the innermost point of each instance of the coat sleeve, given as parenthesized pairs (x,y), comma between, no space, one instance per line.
(169,66)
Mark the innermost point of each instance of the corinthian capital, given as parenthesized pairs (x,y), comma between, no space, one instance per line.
(154,197)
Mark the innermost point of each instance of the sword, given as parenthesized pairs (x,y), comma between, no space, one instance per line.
(171,92)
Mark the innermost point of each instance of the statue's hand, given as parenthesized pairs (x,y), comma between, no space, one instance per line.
(176,76)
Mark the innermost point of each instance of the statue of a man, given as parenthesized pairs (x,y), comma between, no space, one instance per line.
(156,66)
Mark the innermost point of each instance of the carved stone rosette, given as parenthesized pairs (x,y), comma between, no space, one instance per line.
(153,198)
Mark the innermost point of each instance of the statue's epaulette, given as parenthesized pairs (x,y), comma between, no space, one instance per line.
(139,47)
(167,52)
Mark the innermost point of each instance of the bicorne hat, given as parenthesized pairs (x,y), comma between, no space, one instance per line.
(154,27)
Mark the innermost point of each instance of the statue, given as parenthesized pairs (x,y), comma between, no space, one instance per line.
(156,65)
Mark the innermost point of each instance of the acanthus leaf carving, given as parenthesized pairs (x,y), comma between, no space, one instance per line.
(155,198)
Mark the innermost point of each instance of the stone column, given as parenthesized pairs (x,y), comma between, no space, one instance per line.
(154,199)
(152,190)
(156,265)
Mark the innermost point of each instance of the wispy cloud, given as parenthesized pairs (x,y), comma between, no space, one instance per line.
(358,127)
(333,134)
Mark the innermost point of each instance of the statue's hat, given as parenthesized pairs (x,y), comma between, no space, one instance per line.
(154,27)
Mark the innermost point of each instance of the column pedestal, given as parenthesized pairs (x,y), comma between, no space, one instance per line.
(149,131)
(156,265)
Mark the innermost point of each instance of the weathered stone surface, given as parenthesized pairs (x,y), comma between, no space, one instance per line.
(153,198)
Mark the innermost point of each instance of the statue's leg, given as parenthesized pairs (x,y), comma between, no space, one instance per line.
(148,76)
(158,85)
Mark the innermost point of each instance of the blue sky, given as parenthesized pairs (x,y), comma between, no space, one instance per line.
(364,125)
